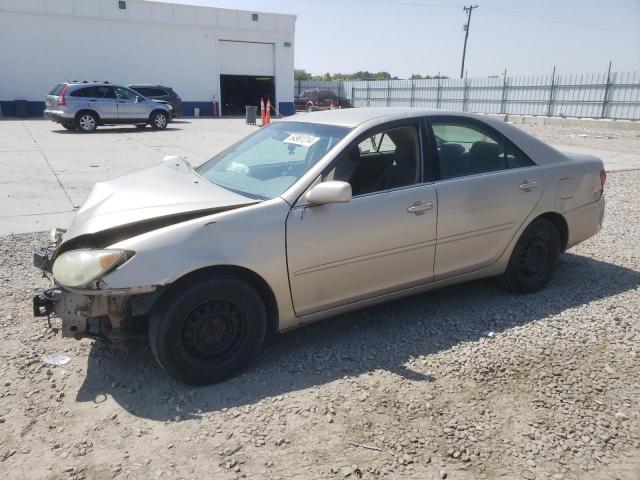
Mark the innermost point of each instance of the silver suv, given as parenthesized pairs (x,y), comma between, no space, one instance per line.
(83,106)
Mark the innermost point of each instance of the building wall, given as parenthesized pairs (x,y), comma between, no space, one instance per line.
(45,42)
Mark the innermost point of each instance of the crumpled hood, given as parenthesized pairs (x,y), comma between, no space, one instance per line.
(157,196)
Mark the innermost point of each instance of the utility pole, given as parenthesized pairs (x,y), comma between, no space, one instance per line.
(465,27)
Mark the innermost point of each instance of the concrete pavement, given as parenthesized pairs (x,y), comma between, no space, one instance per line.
(47,171)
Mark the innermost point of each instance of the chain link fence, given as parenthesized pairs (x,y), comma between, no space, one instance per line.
(614,95)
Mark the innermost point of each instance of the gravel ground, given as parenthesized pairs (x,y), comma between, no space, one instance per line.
(468,382)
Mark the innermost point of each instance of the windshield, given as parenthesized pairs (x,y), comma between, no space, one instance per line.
(268,162)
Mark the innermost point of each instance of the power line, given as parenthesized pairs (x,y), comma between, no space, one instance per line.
(466,26)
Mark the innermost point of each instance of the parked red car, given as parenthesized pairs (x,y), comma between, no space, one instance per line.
(320,99)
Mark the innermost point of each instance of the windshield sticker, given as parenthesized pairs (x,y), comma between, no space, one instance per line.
(301,139)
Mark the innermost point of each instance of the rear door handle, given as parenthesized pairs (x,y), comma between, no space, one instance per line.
(418,208)
(528,185)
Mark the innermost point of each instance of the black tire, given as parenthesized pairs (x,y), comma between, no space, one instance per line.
(86,122)
(534,259)
(208,328)
(159,120)
(69,126)
(141,126)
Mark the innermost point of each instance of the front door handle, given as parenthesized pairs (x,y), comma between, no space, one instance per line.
(419,207)
(528,185)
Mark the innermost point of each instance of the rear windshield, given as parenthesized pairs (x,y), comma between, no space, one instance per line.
(57,89)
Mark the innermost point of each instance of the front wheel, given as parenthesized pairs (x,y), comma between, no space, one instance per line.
(208,329)
(534,259)
(159,120)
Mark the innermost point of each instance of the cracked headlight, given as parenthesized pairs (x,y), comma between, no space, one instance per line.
(78,268)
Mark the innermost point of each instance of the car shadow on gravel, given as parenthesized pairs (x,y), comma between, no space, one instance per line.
(384,337)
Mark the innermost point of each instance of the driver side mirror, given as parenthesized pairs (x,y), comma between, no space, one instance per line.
(329,192)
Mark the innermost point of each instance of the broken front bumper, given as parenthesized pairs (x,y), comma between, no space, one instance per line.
(84,312)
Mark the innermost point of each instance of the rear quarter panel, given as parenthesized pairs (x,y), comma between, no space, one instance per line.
(572,183)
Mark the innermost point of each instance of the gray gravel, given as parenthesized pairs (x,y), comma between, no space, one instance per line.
(468,382)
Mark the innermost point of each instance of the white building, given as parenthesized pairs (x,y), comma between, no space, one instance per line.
(203,53)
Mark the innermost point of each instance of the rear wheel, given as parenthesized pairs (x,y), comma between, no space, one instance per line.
(534,259)
(159,120)
(87,122)
(207,330)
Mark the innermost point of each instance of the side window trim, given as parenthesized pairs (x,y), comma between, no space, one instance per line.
(430,162)
(472,123)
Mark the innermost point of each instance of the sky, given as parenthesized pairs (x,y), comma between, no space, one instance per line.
(426,37)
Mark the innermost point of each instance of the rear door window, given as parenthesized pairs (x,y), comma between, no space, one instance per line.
(84,92)
(471,149)
(105,92)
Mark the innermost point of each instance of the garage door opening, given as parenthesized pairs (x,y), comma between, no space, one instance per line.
(240,90)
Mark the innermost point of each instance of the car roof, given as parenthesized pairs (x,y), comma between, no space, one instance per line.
(146,85)
(79,83)
(353,117)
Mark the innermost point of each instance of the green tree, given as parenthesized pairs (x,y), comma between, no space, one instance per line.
(301,75)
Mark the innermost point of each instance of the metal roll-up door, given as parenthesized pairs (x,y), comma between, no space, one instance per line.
(246,58)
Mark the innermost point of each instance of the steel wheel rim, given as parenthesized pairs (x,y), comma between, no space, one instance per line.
(535,258)
(161,120)
(87,122)
(214,331)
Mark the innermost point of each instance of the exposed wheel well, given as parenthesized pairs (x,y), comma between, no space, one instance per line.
(87,110)
(255,280)
(561,225)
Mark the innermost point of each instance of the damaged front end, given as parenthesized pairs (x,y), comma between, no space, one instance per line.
(85,307)
(81,259)
(82,314)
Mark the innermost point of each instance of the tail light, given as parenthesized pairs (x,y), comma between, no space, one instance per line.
(61,100)
(178,98)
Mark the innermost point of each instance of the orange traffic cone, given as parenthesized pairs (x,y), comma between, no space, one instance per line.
(268,114)
(262,112)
